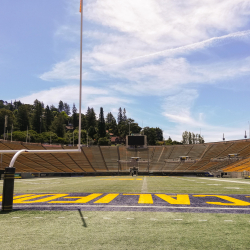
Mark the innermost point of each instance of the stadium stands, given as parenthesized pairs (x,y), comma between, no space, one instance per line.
(112,159)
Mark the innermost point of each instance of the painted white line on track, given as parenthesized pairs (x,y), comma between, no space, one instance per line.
(232,188)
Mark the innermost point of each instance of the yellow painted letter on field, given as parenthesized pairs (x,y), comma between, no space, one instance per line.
(28,199)
(107,198)
(233,201)
(144,198)
(18,196)
(80,199)
(179,199)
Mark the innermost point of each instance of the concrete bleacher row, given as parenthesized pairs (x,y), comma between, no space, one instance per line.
(105,158)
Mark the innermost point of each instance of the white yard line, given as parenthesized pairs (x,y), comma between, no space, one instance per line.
(241,182)
(144,188)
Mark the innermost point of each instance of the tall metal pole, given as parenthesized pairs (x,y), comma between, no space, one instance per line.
(80,92)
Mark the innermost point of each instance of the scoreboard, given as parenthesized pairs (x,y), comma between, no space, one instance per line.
(136,140)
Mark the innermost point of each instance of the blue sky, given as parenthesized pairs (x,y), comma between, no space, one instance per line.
(178,65)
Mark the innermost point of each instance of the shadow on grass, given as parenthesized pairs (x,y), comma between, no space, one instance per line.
(83,221)
(7,212)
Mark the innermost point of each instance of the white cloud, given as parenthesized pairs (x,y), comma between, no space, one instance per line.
(181,22)
(66,70)
(214,41)
(177,108)
(91,96)
(140,48)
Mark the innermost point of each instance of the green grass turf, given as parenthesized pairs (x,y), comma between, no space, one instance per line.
(189,185)
(113,230)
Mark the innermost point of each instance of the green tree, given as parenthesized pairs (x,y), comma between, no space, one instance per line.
(191,138)
(124,116)
(37,121)
(151,135)
(91,132)
(66,108)
(159,134)
(75,117)
(169,141)
(103,141)
(58,125)
(11,106)
(53,108)
(23,118)
(48,117)
(101,124)
(119,116)
(10,119)
(19,136)
(90,118)
(60,106)
(17,104)
(111,124)
(2,104)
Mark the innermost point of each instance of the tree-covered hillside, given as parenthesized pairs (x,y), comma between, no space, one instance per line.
(50,124)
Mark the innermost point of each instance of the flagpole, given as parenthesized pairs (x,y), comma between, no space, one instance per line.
(80,94)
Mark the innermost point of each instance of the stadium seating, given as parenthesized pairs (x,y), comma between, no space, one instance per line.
(96,159)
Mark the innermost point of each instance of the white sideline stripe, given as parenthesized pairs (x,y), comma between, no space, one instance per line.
(241,182)
(232,188)
(114,206)
(37,179)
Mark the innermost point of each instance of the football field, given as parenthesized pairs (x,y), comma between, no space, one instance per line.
(123,212)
